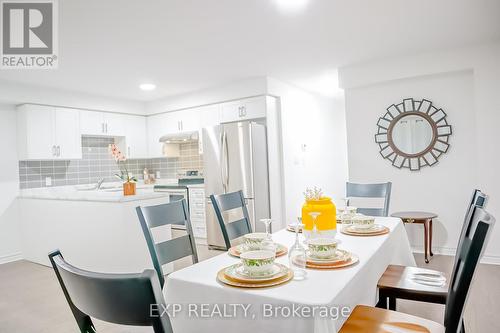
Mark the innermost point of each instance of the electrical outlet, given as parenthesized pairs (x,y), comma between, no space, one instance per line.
(48,181)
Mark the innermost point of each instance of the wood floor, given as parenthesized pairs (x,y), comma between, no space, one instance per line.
(31,300)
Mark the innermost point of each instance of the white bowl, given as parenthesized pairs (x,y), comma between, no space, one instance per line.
(322,248)
(253,241)
(363,222)
(258,263)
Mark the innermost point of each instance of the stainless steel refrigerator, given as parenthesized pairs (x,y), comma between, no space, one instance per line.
(235,158)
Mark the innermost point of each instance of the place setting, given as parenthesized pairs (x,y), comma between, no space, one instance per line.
(257,267)
(253,241)
(319,252)
(362,225)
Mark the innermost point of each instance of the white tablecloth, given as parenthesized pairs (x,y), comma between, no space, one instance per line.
(199,303)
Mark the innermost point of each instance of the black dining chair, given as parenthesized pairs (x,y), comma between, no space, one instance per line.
(124,299)
(397,283)
(383,190)
(374,320)
(231,229)
(174,213)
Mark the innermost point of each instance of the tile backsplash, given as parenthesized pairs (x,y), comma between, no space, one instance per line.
(97,163)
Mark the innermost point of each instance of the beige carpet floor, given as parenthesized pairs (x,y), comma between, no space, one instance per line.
(31,300)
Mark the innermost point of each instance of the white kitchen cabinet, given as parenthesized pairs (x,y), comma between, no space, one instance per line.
(48,133)
(68,139)
(158,126)
(209,115)
(197,211)
(135,137)
(91,123)
(102,123)
(249,108)
(114,123)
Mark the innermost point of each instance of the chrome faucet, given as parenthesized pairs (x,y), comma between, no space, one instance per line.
(99,183)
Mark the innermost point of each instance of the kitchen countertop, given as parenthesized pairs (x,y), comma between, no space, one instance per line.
(202,185)
(112,193)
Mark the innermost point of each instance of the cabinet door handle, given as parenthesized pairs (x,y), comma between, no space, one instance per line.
(243,111)
(53,150)
(128,152)
(102,127)
(106,127)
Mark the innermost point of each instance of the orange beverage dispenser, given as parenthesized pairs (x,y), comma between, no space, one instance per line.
(326,220)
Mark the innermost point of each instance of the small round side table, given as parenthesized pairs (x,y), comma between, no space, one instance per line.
(424,218)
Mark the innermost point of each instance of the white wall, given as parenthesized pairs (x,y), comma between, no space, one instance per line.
(464,82)
(18,93)
(9,186)
(319,123)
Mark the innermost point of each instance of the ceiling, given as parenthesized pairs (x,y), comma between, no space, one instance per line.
(110,47)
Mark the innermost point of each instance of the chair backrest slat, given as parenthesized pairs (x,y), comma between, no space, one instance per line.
(467,259)
(116,298)
(478,199)
(226,202)
(372,211)
(237,228)
(382,190)
(167,214)
(174,249)
(229,201)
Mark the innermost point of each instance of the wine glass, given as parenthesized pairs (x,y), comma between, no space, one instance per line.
(297,255)
(315,232)
(267,223)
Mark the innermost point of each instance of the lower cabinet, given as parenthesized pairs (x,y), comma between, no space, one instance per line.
(197,212)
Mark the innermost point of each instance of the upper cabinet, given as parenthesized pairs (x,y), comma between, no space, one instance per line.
(189,120)
(157,126)
(102,123)
(47,133)
(249,108)
(135,137)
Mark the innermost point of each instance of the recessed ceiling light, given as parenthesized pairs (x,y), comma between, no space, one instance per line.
(147,86)
(291,5)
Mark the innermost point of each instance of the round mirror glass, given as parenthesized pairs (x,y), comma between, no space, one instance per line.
(412,134)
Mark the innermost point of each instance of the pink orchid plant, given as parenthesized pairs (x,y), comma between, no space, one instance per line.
(121,160)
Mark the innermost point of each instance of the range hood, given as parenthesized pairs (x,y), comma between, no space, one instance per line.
(183,137)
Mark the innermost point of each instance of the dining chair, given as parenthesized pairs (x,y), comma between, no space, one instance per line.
(231,229)
(374,320)
(173,213)
(123,299)
(397,281)
(383,190)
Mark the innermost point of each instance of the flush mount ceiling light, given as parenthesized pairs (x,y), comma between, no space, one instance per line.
(291,5)
(147,86)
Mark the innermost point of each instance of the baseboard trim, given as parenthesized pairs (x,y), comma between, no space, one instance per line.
(447,251)
(10,258)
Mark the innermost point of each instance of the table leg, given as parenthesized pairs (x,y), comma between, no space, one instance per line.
(426,240)
(430,238)
(382,301)
(392,303)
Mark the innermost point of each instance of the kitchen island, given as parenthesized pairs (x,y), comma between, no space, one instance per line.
(96,230)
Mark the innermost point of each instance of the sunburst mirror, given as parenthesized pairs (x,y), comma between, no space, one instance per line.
(413,134)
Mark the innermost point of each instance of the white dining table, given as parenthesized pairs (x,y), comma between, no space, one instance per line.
(321,303)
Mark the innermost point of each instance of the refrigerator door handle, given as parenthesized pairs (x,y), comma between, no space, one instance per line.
(223,161)
(226,157)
